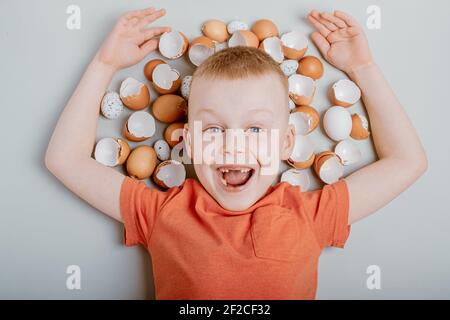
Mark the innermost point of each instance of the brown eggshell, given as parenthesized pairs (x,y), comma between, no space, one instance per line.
(205,41)
(310,111)
(174,88)
(155,173)
(215,30)
(265,28)
(141,162)
(150,66)
(250,38)
(320,159)
(293,54)
(129,136)
(335,101)
(302,165)
(169,108)
(358,131)
(302,100)
(171,130)
(124,151)
(138,101)
(310,67)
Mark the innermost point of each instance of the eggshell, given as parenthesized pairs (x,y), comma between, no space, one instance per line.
(360,127)
(169,174)
(289,67)
(337,123)
(298,178)
(111,105)
(150,66)
(302,156)
(243,38)
(215,30)
(311,118)
(139,127)
(265,28)
(310,67)
(124,151)
(165,79)
(201,48)
(107,152)
(173,44)
(345,93)
(134,94)
(169,108)
(301,89)
(236,25)
(272,46)
(328,167)
(141,162)
(348,152)
(294,45)
(174,131)
(162,149)
(186,86)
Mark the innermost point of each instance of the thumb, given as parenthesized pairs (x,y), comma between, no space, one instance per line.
(321,42)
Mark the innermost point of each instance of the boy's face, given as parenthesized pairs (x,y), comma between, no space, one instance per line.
(236,135)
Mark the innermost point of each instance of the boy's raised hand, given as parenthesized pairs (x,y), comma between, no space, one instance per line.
(130,40)
(340,39)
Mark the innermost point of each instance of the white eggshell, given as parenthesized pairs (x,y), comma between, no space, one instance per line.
(289,67)
(186,86)
(111,106)
(337,123)
(236,25)
(162,149)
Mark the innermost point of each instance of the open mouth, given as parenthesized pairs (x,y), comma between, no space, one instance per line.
(234,178)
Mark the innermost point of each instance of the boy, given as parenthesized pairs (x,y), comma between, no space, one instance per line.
(233,235)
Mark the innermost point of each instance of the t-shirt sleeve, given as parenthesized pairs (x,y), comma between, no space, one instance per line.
(328,210)
(139,208)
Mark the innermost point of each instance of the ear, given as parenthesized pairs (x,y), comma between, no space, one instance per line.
(288,142)
(187,140)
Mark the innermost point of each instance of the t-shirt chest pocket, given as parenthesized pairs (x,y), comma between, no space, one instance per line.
(277,234)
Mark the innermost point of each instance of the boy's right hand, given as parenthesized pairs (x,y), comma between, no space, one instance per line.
(340,39)
(130,41)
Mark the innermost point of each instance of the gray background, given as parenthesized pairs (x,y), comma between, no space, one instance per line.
(44,228)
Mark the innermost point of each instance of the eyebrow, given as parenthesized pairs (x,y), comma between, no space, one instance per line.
(252,110)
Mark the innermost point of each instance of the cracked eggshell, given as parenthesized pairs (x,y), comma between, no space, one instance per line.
(169,173)
(111,152)
(215,30)
(201,48)
(265,28)
(310,67)
(272,46)
(173,44)
(165,79)
(345,93)
(337,123)
(301,89)
(150,66)
(289,67)
(186,86)
(243,38)
(236,25)
(328,167)
(134,94)
(360,127)
(169,108)
(294,45)
(139,126)
(347,152)
(174,133)
(291,105)
(162,149)
(111,105)
(305,119)
(302,156)
(141,162)
(298,178)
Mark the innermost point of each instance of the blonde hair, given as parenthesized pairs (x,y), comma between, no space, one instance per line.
(240,63)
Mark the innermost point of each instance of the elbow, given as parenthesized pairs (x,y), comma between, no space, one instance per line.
(419,165)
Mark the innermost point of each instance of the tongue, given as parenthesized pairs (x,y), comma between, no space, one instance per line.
(236,177)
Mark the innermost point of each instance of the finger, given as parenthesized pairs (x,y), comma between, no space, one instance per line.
(148,47)
(346,18)
(154,32)
(151,17)
(321,42)
(330,25)
(336,21)
(319,27)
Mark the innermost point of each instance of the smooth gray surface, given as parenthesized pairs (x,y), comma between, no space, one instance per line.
(44,228)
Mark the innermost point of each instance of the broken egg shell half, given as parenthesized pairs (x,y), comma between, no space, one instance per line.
(162,150)
(294,45)
(305,119)
(215,30)
(173,44)
(302,155)
(169,108)
(165,79)
(186,86)
(111,106)
(139,126)
(272,46)
(360,127)
(243,38)
(291,104)
(310,67)
(111,152)
(264,29)
(169,174)
(236,25)
(289,67)
(134,94)
(345,93)
(337,123)
(348,152)
(174,133)
(220,46)
(301,89)
(150,66)
(328,167)
(141,162)
(201,49)
(298,178)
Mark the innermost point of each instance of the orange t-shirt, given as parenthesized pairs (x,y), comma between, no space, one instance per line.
(200,250)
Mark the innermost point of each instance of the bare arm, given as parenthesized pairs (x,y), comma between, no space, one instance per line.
(68,154)
(402,159)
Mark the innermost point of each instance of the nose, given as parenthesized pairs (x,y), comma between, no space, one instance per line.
(234,145)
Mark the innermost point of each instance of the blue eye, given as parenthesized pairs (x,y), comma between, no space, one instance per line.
(213,130)
(255,129)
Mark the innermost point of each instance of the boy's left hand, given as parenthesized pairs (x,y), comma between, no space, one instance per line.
(340,39)
(130,41)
